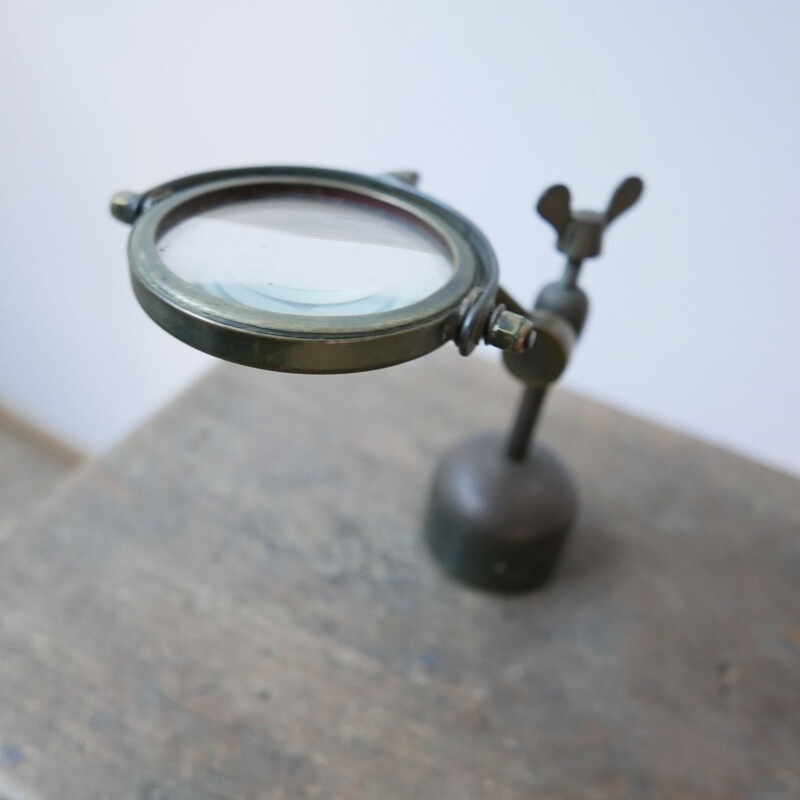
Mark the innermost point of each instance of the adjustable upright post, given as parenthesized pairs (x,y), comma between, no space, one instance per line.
(524,427)
(501,508)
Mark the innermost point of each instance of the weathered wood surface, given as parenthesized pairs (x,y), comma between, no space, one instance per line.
(236,604)
(31,464)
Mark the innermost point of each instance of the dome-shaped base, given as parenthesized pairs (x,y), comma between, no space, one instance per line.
(499,524)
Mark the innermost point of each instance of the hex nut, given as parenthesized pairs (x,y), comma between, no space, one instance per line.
(508,330)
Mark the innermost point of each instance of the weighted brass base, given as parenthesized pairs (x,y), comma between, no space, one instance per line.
(499,524)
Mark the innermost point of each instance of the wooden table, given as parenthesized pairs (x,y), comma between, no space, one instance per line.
(236,603)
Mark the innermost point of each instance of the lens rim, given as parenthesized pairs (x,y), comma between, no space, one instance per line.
(297,343)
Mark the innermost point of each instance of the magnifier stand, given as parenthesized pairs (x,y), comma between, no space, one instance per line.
(245,282)
(501,507)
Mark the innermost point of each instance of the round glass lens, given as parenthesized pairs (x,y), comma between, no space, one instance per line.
(309,254)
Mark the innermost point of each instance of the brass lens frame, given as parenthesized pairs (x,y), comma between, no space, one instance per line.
(292,343)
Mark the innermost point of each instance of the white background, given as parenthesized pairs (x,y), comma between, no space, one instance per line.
(694,306)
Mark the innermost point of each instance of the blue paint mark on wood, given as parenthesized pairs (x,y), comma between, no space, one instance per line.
(430,658)
(10,756)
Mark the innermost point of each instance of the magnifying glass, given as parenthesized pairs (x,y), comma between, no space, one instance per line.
(302,269)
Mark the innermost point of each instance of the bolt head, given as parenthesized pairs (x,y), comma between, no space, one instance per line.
(407,176)
(509,331)
(125,206)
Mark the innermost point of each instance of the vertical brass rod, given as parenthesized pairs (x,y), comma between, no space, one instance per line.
(525,423)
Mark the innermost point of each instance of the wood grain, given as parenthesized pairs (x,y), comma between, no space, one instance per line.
(32,463)
(236,604)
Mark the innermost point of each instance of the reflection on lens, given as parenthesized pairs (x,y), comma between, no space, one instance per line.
(313,256)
